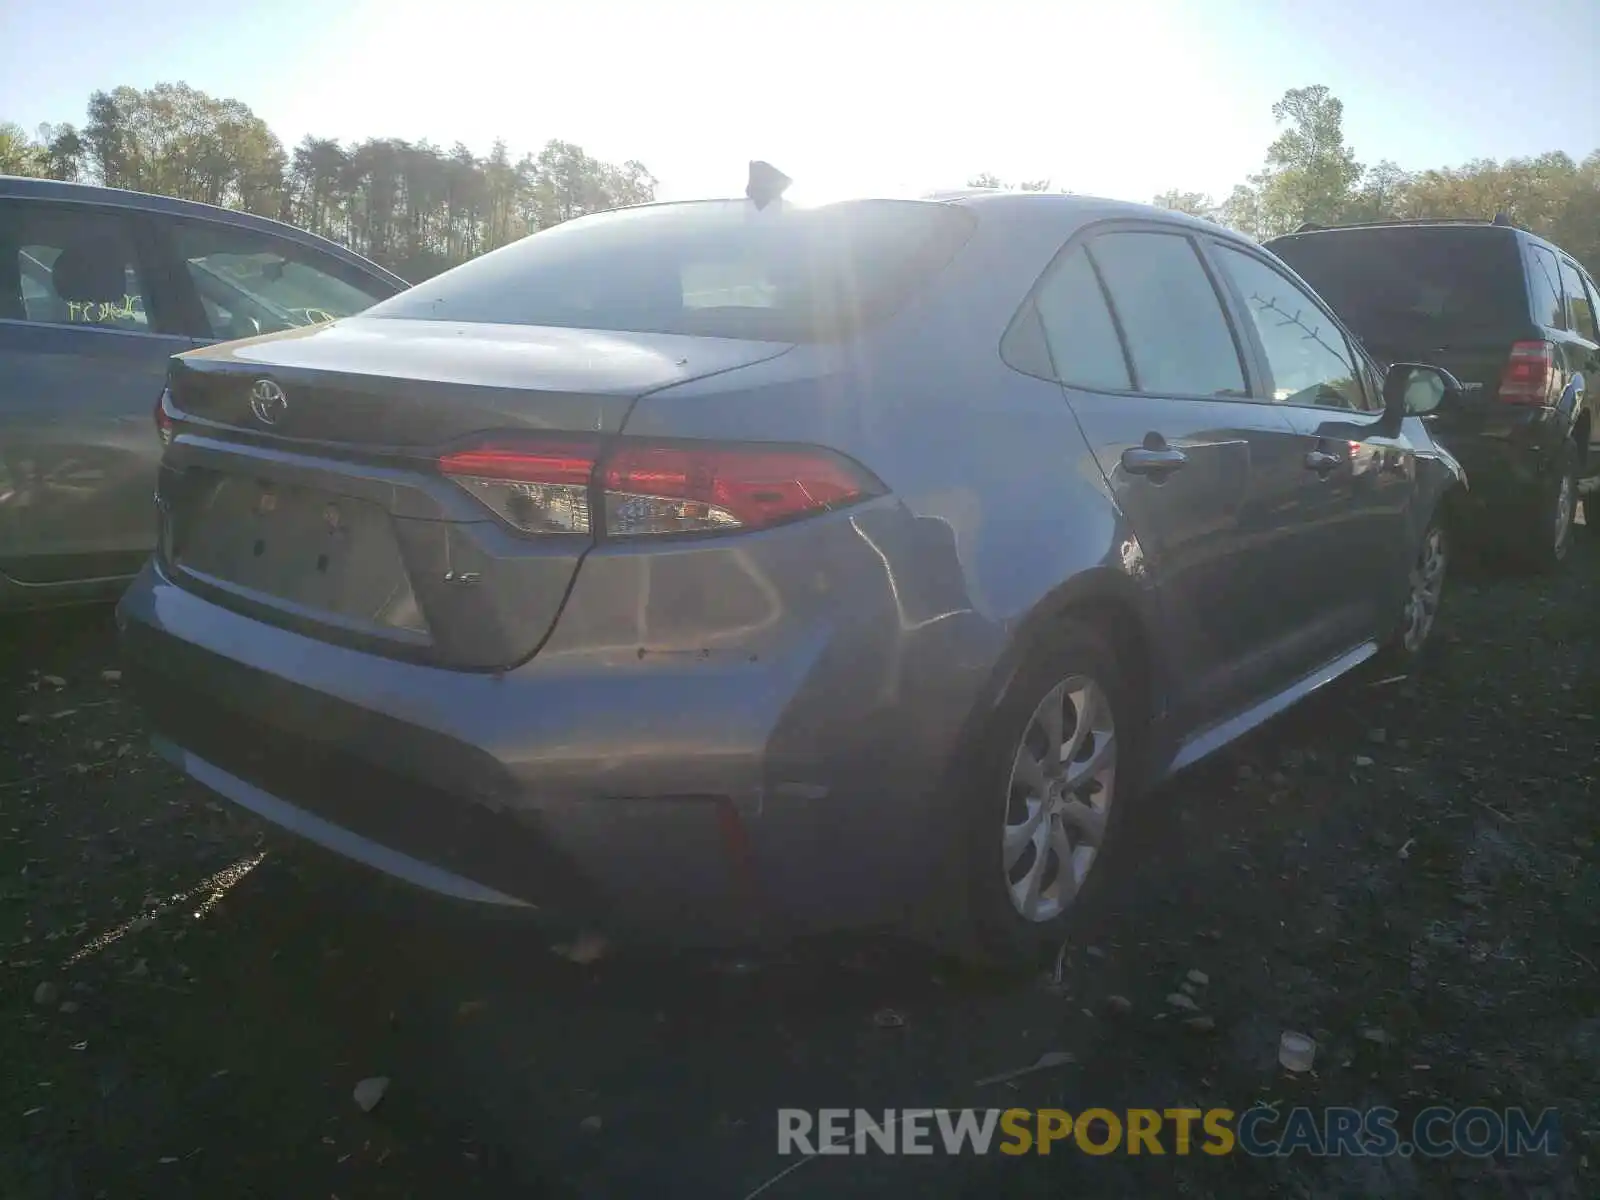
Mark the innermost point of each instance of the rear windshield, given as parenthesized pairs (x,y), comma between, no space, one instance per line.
(1414,281)
(711,268)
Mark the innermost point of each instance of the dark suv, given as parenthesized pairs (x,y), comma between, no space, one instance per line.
(1510,315)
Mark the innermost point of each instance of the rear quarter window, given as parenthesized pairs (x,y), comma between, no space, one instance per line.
(708,268)
(1580,317)
(1544,283)
(1083,342)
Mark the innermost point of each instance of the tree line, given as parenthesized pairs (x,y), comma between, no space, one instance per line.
(417,208)
(1311,176)
(412,207)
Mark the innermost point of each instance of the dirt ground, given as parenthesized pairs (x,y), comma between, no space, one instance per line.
(1404,868)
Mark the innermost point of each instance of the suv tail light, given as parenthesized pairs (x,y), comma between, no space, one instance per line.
(1530,374)
(643,488)
(163,419)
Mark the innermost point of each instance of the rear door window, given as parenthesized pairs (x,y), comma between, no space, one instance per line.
(249,282)
(72,266)
(1078,328)
(707,268)
(1580,315)
(1545,280)
(1178,338)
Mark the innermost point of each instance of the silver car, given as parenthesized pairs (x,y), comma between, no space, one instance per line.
(715,568)
(99,288)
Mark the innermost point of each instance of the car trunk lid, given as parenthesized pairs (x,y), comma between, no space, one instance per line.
(384,382)
(303,481)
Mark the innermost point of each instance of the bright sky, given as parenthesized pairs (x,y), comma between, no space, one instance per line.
(1120,98)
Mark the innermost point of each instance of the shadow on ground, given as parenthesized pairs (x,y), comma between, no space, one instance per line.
(1404,868)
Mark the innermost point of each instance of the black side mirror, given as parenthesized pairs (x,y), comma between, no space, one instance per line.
(1416,389)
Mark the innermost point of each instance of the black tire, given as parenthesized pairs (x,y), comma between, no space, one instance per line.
(1404,649)
(1545,550)
(993,932)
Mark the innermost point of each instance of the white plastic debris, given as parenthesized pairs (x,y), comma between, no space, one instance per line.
(1296,1051)
(369,1091)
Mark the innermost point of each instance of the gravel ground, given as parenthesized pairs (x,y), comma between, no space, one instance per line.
(187,1005)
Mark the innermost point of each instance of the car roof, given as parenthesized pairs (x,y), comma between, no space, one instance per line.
(1059,208)
(1498,228)
(1431,223)
(28,188)
(1483,228)
(1061,202)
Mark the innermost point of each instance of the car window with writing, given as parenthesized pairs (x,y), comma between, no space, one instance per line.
(1310,361)
(75,267)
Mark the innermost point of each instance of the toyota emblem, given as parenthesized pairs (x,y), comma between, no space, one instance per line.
(268,402)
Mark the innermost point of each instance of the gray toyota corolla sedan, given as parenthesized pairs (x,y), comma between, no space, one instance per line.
(723,567)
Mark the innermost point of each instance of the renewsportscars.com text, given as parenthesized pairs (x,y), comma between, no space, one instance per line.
(1259,1132)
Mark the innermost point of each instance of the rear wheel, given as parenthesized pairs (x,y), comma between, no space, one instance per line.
(1551,536)
(1424,592)
(1047,795)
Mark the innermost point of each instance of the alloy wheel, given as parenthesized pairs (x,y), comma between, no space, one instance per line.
(1426,588)
(1566,510)
(1063,782)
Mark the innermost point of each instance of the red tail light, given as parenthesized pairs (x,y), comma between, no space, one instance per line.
(545,486)
(1530,374)
(668,489)
(163,419)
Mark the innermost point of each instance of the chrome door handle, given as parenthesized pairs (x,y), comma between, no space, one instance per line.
(1137,460)
(1322,462)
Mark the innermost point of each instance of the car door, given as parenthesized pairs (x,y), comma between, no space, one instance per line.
(86,329)
(245,282)
(1351,557)
(1205,472)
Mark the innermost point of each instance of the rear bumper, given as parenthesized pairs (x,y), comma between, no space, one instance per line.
(330,836)
(702,794)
